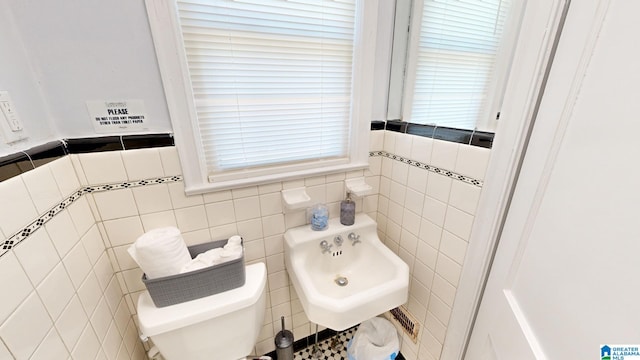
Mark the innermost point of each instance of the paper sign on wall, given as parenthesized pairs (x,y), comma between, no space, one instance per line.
(117,116)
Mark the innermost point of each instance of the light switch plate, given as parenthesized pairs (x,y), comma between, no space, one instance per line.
(10,124)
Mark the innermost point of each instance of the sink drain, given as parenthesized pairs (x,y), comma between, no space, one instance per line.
(341,281)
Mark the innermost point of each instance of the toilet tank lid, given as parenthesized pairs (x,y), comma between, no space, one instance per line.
(154,320)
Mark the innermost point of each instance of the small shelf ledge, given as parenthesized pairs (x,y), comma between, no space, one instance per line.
(296,198)
(358,187)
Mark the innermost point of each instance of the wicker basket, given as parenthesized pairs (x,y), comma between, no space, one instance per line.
(175,289)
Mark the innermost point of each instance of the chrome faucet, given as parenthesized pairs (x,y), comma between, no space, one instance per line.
(338,240)
(354,239)
(326,247)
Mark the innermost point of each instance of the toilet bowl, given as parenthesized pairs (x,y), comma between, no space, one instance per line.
(223,326)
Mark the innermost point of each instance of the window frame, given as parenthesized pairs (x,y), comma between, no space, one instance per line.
(164,23)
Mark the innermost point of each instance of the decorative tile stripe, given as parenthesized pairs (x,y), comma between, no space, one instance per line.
(25,232)
(437,170)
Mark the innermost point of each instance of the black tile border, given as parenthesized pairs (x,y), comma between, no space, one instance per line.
(462,136)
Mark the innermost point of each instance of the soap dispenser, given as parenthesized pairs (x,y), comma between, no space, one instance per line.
(347,211)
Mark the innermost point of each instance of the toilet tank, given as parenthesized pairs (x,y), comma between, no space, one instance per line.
(223,326)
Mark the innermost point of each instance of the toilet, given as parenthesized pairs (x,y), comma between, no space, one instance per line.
(223,326)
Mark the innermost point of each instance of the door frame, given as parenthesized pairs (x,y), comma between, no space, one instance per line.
(540,30)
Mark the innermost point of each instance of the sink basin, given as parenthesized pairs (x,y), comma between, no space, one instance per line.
(347,284)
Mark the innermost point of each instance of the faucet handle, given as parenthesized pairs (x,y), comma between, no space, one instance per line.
(354,238)
(338,240)
(325,246)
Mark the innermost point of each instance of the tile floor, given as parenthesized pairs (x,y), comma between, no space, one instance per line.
(325,347)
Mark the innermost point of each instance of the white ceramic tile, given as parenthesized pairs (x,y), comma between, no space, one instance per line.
(317,193)
(434,210)
(62,232)
(472,161)
(400,172)
(15,279)
(116,204)
(433,325)
(453,247)
(81,215)
(439,309)
(464,197)
(170,160)
(125,260)
(335,191)
(295,218)
(152,198)
(396,211)
(244,192)
(444,290)
(111,342)
(444,154)
(387,167)
(22,210)
(122,316)
(423,273)
(375,166)
(408,241)
(271,203)
(90,293)
(65,176)
(179,199)
(370,204)
(159,219)
(273,225)
(133,279)
(411,222)
(439,187)
(273,245)
(113,294)
(51,348)
(223,231)
(191,218)
(30,318)
(414,201)
(403,145)
(421,149)
(217,196)
(130,337)
(37,255)
(292,184)
(103,270)
(77,166)
(77,264)
(93,244)
(458,222)
(123,231)
(56,290)
(430,233)
(220,213)
(376,140)
(420,292)
(269,188)
(417,179)
(101,318)
(254,250)
(196,237)
(142,164)
(87,346)
(448,269)
(103,167)
(430,348)
(427,254)
(389,144)
(280,296)
(42,187)
(275,263)
(250,229)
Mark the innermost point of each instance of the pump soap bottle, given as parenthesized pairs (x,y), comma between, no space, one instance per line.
(347,211)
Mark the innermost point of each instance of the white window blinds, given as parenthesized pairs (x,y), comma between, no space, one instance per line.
(454,61)
(271,79)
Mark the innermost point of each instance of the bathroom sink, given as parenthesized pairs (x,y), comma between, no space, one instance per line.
(345,274)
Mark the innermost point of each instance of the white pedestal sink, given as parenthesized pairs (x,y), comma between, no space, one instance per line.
(352,278)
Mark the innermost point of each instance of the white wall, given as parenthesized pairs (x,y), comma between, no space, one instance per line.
(85,50)
(17,76)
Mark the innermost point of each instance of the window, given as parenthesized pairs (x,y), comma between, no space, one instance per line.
(455,71)
(265,90)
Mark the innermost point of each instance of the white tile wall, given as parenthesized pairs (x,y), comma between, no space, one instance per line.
(76,273)
(55,302)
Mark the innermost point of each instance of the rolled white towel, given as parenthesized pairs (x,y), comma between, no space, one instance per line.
(234,240)
(160,252)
